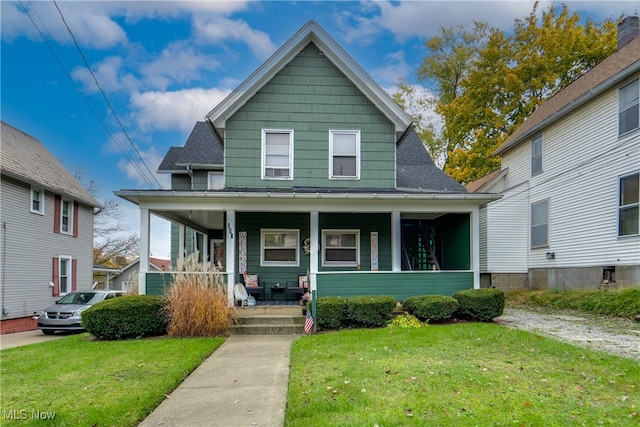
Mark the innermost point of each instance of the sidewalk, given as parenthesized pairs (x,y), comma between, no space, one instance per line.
(243,383)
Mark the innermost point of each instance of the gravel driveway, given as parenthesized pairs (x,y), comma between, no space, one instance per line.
(616,336)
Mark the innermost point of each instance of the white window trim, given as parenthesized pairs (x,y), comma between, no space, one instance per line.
(211,177)
(620,110)
(41,200)
(265,263)
(326,263)
(71,206)
(264,154)
(346,131)
(546,244)
(69,276)
(541,155)
(621,207)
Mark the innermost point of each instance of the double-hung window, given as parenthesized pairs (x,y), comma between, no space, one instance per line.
(277,154)
(64,275)
(344,152)
(628,110)
(540,224)
(341,248)
(66,219)
(279,247)
(629,205)
(536,155)
(37,201)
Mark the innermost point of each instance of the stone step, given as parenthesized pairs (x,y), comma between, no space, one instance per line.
(262,310)
(277,319)
(265,330)
(268,320)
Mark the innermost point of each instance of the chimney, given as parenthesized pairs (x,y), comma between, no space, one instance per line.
(628,29)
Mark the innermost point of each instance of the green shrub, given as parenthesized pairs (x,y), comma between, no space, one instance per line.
(405,321)
(331,312)
(431,308)
(370,311)
(480,304)
(612,302)
(126,317)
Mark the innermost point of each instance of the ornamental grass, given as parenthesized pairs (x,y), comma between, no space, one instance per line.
(197,301)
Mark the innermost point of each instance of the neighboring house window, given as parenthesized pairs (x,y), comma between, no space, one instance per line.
(279,247)
(536,155)
(277,154)
(64,275)
(629,111)
(344,152)
(216,180)
(540,224)
(341,248)
(629,205)
(37,201)
(65,217)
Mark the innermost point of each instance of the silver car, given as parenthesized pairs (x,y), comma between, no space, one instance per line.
(65,314)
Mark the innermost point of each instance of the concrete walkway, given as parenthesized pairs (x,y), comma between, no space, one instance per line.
(19,339)
(243,383)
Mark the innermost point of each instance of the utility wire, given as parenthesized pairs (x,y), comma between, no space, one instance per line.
(105,96)
(79,90)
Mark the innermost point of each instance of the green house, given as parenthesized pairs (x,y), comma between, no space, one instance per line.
(309,168)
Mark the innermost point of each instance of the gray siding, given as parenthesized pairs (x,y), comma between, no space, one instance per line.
(310,96)
(29,246)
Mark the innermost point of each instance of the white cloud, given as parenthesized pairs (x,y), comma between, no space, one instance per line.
(394,68)
(217,29)
(109,74)
(171,110)
(134,170)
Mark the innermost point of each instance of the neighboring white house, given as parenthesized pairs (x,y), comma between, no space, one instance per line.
(46,223)
(568,217)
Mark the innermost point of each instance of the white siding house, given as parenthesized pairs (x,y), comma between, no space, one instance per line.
(568,217)
(46,224)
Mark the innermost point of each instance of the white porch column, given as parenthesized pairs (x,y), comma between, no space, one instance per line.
(314,228)
(145,229)
(396,242)
(475,246)
(230,253)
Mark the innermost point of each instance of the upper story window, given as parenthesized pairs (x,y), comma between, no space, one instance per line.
(629,205)
(629,111)
(277,154)
(344,152)
(341,248)
(37,201)
(279,247)
(216,180)
(536,155)
(66,219)
(540,224)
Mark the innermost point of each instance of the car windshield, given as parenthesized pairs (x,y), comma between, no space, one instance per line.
(81,298)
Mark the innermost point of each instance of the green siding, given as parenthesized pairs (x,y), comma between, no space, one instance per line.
(158,282)
(201,180)
(180,182)
(456,242)
(311,96)
(399,285)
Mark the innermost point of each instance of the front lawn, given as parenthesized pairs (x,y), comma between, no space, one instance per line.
(458,374)
(76,381)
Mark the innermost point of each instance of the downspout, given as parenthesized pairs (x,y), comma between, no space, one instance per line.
(5,310)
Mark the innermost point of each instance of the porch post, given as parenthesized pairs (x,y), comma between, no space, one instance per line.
(475,246)
(145,227)
(396,242)
(230,253)
(314,224)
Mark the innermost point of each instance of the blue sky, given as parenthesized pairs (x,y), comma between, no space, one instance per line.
(164,65)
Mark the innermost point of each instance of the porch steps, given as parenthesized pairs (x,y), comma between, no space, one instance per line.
(266,320)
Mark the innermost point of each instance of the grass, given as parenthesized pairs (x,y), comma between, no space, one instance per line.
(82,382)
(456,374)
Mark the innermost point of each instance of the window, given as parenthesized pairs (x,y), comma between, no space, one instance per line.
(344,154)
(37,201)
(216,180)
(629,113)
(64,275)
(536,155)
(277,154)
(279,247)
(540,224)
(341,247)
(65,217)
(629,205)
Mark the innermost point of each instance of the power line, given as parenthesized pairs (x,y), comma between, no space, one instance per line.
(79,90)
(104,96)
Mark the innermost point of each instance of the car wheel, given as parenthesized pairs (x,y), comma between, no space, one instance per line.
(47,332)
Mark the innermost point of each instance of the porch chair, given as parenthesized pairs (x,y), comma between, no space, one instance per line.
(298,287)
(253,285)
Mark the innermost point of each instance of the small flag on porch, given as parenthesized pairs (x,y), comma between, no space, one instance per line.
(308,323)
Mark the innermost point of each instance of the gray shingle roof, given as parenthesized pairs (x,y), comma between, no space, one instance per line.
(202,150)
(24,158)
(415,168)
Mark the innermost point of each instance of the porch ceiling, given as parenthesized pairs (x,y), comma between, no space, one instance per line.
(197,219)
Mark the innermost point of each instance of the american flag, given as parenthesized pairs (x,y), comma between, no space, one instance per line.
(308,323)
